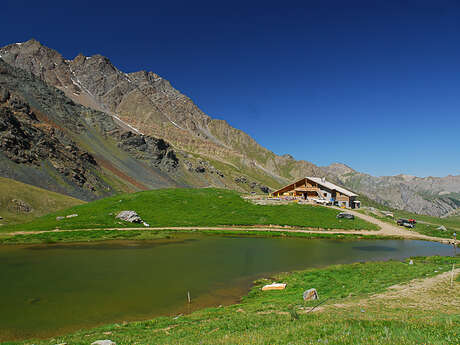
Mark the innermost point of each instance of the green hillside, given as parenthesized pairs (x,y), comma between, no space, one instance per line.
(190,207)
(20,202)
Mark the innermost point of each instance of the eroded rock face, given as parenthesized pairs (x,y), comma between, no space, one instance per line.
(252,184)
(156,152)
(202,167)
(26,140)
(49,141)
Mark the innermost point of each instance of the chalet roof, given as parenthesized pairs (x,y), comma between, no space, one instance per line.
(331,185)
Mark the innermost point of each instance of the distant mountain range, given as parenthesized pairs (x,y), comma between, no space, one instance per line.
(84,128)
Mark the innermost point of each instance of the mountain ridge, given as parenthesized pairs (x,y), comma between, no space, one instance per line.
(436,196)
(146,104)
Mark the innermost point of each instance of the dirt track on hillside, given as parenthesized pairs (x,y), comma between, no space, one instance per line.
(385,230)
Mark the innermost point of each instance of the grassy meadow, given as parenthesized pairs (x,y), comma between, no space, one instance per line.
(40,201)
(346,316)
(188,208)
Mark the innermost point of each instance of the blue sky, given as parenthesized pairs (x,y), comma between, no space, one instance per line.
(372,84)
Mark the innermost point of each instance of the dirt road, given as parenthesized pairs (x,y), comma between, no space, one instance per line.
(393,230)
(385,230)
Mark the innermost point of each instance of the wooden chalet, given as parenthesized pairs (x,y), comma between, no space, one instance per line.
(316,188)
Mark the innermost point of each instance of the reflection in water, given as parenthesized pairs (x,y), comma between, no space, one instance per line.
(375,248)
(97,283)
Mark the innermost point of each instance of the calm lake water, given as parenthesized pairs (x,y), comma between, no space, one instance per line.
(53,289)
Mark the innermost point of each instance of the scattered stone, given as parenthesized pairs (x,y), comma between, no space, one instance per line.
(1,217)
(104,342)
(310,294)
(442,228)
(363,311)
(20,206)
(60,218)
(72,215)
(241,179)
(129,216)
(146,224)
(274,286)
(411,262)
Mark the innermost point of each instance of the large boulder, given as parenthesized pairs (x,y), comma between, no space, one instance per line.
(129,216)
(310,294)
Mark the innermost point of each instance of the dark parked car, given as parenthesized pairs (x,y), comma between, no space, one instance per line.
(345,215)
(405,222)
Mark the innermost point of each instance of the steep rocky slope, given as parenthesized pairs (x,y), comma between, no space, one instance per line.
(149,103)
(49,141)
(436,196)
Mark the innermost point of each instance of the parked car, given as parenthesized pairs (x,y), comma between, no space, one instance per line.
(345,215)
(405,222)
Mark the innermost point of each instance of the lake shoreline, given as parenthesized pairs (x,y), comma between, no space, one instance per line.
(358,278)
(56,236)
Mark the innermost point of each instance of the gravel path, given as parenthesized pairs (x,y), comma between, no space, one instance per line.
(385,229)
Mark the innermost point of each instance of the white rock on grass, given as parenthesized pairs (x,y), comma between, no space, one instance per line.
(104,342)
(129,216)
(274,286)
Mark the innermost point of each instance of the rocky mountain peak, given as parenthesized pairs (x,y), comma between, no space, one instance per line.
(339,169)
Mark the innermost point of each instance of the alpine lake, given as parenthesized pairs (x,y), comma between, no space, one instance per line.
(47,290)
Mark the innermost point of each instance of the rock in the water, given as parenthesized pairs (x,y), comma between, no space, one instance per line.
(60,218)
(274,286)
(129,216)
(310,295)
(104,342)
(72,215)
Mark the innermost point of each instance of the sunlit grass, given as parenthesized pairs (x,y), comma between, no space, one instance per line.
(188,208)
